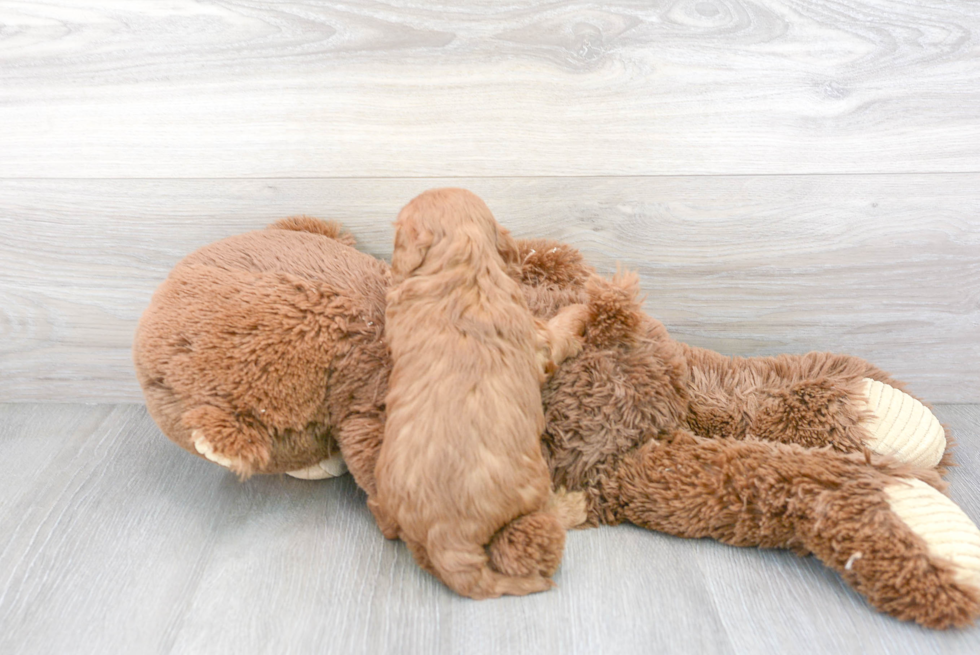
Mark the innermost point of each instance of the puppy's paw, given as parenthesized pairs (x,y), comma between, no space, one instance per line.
(563,336)
(901,426)
(536,584)
(570,507)
(577,317)
(331,467)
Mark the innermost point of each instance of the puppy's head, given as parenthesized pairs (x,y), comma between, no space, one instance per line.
(446,225)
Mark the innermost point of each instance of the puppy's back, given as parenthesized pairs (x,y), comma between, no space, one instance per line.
(462,455)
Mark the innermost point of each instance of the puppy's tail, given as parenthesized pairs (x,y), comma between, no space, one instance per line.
(464,568)
(534,543)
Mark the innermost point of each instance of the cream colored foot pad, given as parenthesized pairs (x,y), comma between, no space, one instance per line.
(327,468)
(948,532)
(902,427)
(203,446)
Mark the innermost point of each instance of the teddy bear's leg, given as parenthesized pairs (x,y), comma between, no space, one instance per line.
(900,426)
(817,399)
(910,550)
(330,467)
(228,440)
(917,556)
(534,543)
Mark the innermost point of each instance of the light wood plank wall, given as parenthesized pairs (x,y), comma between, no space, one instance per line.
(786,176)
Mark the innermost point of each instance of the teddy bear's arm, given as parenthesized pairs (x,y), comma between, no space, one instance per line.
(814,400)
(908,548)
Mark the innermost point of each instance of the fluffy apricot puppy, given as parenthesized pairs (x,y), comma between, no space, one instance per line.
(461,457)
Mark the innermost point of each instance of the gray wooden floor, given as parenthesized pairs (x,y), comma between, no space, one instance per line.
(115,541)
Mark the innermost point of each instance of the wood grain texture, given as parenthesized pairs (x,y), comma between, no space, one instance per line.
(241,88)
(115,541)
(883,267)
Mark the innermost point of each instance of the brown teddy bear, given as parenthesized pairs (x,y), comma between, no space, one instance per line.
(264,353)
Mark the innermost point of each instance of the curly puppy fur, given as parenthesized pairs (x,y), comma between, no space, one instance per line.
(461,455)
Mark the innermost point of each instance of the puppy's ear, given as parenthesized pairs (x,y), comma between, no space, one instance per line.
(412,242)
(507,247)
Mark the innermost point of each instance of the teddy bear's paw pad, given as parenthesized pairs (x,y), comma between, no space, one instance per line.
(203,446)
(902,427)
(948,532)
(331,467)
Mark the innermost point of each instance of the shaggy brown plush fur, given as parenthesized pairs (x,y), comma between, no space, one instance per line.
(752,493)
(243,346)
(461,456)
(756,452)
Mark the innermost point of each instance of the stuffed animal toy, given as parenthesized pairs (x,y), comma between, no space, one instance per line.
(264,353)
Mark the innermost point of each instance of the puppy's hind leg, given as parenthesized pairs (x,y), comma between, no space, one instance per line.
(464,568)
(387,525)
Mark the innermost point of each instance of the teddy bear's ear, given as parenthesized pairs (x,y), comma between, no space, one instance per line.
(412,243)
(511,254)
